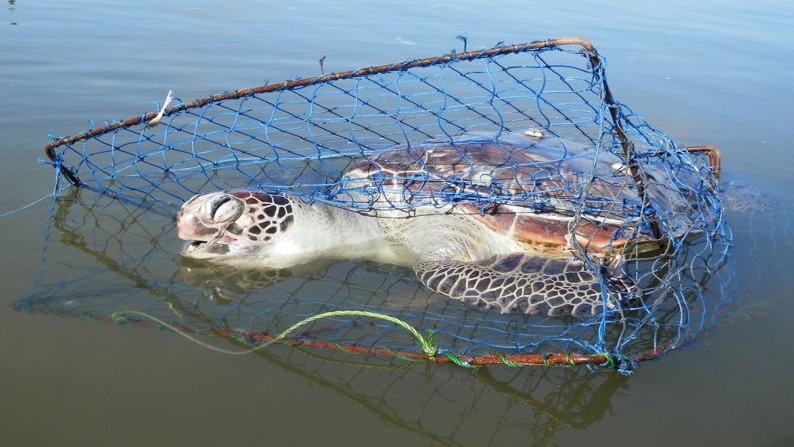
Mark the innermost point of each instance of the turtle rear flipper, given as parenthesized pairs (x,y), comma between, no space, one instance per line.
(526,284)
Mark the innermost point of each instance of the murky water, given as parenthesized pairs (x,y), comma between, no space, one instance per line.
(713,73)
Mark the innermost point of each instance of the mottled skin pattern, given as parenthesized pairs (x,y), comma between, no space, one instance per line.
(525,284)
(250,216)
(513,258)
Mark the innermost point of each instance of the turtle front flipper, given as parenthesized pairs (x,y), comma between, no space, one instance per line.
(527,284)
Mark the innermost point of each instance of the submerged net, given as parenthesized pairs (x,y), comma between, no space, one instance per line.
(299,137)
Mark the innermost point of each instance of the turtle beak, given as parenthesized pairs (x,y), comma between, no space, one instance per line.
(190,227)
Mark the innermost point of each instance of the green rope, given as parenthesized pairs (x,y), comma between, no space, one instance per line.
(507,361)
(428,348)
(452,358)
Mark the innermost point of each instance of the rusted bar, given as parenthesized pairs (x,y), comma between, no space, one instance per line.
(556,359)
(713,153)
(628,148)
(587,49)
(300,83)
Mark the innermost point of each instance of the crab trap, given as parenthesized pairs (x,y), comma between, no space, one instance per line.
(523,145)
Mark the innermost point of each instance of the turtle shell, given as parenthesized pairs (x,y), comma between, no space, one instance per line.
(541,189)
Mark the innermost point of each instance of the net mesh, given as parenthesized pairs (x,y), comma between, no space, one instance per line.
(301,136)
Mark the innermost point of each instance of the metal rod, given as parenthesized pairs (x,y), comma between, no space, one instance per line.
(300,83)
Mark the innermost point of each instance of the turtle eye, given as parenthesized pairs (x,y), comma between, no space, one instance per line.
(223,208)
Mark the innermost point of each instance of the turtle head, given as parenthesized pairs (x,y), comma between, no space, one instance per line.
(232,226)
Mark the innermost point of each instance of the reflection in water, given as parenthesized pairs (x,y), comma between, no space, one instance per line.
(496,405)
(224,284)
(124,257)
(121,259)
(12,8)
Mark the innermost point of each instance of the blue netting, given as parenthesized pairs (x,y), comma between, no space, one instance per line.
(301,136)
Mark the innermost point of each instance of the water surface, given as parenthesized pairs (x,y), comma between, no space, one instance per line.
(710,73)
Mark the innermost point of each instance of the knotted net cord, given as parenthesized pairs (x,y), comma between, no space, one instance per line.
(299,137)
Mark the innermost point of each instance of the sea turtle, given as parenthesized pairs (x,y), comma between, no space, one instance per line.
(521,222)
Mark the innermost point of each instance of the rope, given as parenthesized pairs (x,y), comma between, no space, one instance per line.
(23,208)
(427,347)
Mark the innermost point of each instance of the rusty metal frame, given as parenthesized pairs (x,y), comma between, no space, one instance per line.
(714,156)
(587,48)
